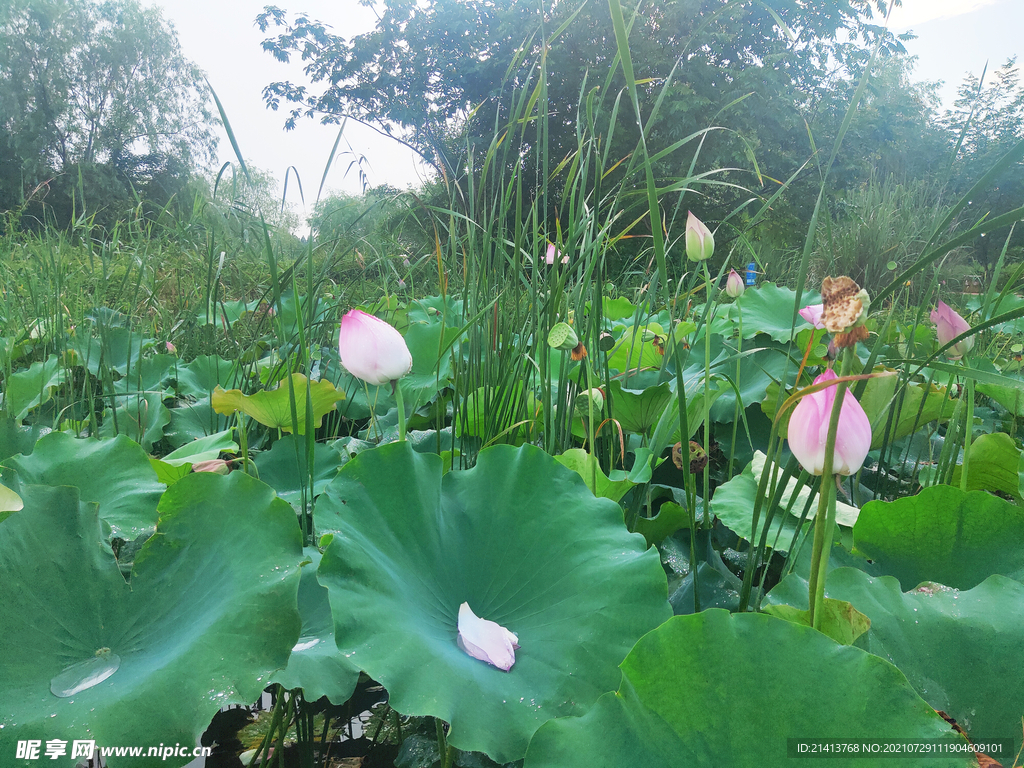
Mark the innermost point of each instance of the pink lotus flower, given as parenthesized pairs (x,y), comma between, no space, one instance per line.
(812,314)
(700,243)
(552,252)
(949,325)
(171,349)
(734,286)
(486,640)
(808,430)
(371,349)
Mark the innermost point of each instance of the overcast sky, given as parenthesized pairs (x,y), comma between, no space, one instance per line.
(954,37)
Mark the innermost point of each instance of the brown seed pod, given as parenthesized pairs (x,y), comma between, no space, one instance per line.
(842,306)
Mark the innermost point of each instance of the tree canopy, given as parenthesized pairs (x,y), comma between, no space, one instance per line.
(96,87)
(758,69)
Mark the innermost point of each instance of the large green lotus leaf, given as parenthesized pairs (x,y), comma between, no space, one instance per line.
(316,665)
(716,689)
(944,535)
(961,650)
(116,474)
(279,468)
(769,309)
(148,374)
(272,407)
(638,410)
(199,377)
(210,613)
(518,537)
(995,464)
(29,389)
(140,417)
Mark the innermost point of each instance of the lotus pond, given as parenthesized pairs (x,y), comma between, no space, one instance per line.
(604,552)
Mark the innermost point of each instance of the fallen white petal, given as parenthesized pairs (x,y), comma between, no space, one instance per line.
(486,640)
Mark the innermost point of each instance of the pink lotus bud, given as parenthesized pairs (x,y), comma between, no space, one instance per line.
(700,243)
(401,283)
(552,252)
(812,314)
(949,325)
(171,349)
(734,286)
(217,466)
(808,430)
(371,349)
(486,640)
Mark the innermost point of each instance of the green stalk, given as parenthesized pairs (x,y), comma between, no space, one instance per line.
(736,411)
(443,750)
(401,410)
(243,441)
(275,720)
(824,520)
(969,431)
(590,422)
(707,394)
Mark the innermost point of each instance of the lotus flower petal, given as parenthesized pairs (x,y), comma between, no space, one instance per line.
(371,349)
(486,640)
(808,431)
(812,314)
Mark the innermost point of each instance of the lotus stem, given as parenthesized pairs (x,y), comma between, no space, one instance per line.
(401,410)
(824,520)
(969,426)
(707,396)
(736,410)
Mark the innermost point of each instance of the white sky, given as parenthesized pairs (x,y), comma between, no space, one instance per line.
(954,37)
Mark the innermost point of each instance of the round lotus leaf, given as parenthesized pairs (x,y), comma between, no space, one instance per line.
(115,473)
(944,535)
(316,665)
(718,689)
(209,614)
(960,649)
(519,538)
